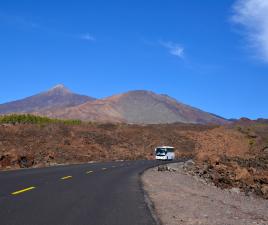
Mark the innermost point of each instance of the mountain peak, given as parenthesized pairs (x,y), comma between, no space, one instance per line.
(139,92)
(137,106)
(57,97)
(60,88)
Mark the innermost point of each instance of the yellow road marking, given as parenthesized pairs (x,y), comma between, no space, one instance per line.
(104,168)
(88,172)
(67,177)
(23,190)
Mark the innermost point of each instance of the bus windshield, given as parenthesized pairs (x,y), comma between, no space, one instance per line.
(160,151)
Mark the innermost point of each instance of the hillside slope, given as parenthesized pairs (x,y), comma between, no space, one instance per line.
(137,107)
(57,97)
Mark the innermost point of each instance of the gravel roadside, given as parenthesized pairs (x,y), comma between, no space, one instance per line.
(180,198)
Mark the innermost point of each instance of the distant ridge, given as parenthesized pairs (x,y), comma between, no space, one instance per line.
(137,107)
(140,107)
(57,97)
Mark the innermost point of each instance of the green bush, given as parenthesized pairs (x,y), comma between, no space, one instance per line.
(32,119)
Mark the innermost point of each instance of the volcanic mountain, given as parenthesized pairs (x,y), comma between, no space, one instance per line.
(140,107)
(57,97)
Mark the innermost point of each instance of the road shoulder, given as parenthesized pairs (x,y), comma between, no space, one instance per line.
(179,198)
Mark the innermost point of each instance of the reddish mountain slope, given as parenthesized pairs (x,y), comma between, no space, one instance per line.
(136,107)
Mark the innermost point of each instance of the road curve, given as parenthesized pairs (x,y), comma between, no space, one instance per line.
(87,194)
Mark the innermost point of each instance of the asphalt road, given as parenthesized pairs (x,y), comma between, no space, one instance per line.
(87,194)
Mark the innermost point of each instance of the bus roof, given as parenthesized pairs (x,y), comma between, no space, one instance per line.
(164,147)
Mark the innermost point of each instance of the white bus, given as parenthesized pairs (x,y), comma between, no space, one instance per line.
(164,153)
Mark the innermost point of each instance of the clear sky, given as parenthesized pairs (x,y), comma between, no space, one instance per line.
(209,54)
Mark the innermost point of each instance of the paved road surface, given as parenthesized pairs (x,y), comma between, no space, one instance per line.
(87,194)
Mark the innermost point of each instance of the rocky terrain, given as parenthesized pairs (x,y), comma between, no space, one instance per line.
(180,197)
(230,156)
(235,156)
(138,107)
(35,145)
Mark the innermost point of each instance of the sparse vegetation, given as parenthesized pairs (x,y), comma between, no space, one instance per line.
(33,119)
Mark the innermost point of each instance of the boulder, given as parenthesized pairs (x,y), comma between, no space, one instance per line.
(264,191)
(162,168)
(26,161)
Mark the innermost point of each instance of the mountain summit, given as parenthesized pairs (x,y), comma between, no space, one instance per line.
(141,107)
(60,88)
(57,97)
(138,107)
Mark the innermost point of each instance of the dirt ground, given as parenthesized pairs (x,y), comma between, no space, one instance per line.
(33,145)
(180,198)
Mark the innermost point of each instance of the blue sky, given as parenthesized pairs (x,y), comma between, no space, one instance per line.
(209,54)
